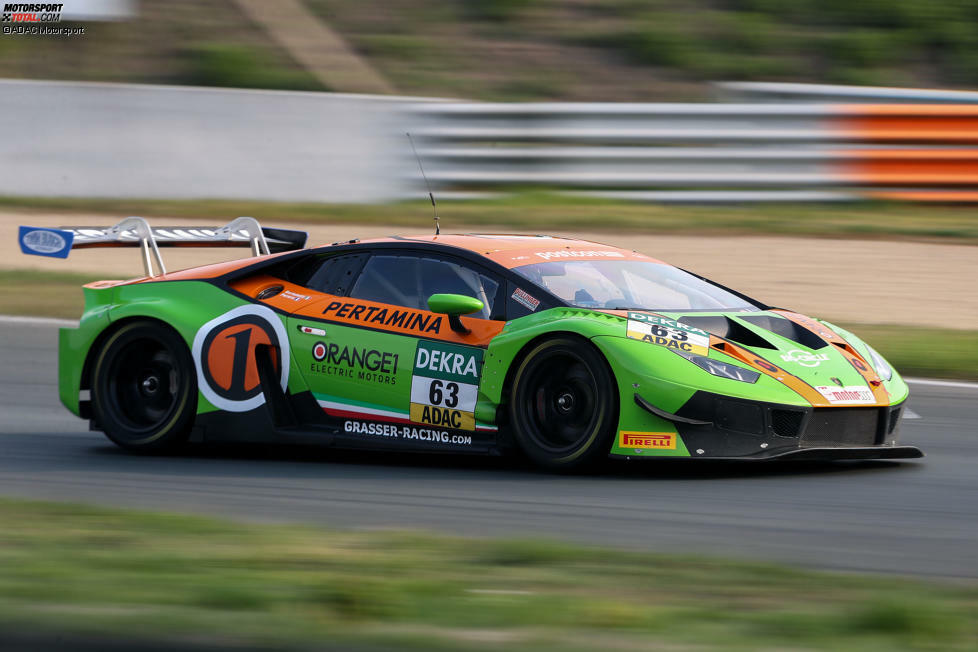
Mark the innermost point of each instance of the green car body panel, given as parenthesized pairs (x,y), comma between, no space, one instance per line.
(359,371)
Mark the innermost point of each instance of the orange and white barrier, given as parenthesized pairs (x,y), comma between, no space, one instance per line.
(702,152)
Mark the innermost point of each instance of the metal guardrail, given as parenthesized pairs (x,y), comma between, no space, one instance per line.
(786,92)
(172,142)
(80,139)
(704,152)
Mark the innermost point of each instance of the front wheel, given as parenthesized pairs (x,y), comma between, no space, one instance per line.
(564,405)
(144,389)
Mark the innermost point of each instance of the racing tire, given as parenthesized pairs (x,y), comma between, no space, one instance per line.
(144,388)
(563,405)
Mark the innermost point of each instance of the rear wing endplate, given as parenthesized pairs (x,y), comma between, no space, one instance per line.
(136,232)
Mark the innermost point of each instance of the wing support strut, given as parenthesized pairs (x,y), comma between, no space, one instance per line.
(147,243)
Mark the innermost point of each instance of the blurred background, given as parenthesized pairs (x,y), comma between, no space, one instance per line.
(818,155)
(517,50)
(812,121)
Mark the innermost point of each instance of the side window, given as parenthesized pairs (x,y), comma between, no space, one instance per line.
(390,279)
(443,277)
(409,281)
(335,275)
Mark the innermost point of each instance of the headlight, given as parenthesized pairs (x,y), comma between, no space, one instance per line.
(721,369)
(881,366)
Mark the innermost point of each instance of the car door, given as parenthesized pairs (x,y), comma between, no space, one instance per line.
(382,366)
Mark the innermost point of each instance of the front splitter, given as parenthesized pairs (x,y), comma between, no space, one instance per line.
(815,454)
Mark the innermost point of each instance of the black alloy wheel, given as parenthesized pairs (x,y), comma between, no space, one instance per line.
(144,388)
(564,405)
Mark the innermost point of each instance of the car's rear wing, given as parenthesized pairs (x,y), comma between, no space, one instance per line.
(136,232)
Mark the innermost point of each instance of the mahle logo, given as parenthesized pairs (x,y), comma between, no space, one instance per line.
(803,358)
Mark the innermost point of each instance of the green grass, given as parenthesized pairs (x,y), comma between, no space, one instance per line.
(919,351)
(914,351)
(172,42)
(79,569)
(42,294)
(614,50)
(236,66)
(546,212)
(823,41)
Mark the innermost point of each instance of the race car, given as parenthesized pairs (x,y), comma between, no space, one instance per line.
(563,350)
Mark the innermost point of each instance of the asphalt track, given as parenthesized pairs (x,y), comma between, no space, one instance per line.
(918,517)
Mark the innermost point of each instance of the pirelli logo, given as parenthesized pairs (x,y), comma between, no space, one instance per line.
(655,440)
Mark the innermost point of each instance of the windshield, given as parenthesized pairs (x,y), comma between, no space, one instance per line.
(630,284)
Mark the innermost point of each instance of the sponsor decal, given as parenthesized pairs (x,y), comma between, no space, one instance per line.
(406,433)
(643,440)
(445,385)
(803,358)
(584,253)
(295,296)
(810,324)
(668,333)
(384,317)
(45,242)
(368,428)
(352,362)
(767,366)
(848,395)
(525,299)
(319,351)
(224,354)
(87,235)
(491,236)
(309,330)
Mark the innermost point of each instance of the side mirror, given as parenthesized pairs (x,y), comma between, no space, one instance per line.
(454,305)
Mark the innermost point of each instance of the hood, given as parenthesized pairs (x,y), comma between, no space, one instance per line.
(827,366)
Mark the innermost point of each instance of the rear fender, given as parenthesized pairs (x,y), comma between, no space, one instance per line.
(183,305)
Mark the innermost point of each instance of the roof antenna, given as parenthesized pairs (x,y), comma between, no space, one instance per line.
(431,196)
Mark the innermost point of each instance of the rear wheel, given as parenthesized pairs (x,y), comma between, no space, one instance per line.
(564,405)
(144,388)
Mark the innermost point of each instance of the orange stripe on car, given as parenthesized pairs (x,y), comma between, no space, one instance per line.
(303,302)
(859,363)
(767,368)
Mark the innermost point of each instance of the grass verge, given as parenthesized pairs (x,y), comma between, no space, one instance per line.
(915,351)
(94,571)
(42,294)
(546,212)
(919,351)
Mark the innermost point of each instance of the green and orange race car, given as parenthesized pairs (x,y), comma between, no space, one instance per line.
(565,350)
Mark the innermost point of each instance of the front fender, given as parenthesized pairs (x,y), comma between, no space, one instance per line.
(668,381)
(504,349)
(895,386)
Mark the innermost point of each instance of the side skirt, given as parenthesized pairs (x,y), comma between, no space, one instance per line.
(300,420)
